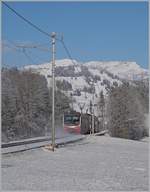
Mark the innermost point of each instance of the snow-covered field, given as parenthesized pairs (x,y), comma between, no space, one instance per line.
(98,163)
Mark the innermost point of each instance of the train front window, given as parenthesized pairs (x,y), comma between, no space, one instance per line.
(73,120)
(76,120)
(67,119)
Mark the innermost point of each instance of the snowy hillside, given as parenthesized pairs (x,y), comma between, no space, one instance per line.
(127,70)
(83,82)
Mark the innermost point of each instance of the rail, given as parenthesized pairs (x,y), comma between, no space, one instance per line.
(23,145)
(24,141)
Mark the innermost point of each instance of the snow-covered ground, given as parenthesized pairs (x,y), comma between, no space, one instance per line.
(98,163)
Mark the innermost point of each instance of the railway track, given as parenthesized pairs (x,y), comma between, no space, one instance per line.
(31,143)
(25,141)
(26,144)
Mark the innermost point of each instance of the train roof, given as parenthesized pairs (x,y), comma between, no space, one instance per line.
(72,113)
(76,113)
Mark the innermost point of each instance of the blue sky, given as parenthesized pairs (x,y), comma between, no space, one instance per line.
(92,30)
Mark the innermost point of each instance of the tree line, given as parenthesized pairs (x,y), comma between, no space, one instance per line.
(26,106)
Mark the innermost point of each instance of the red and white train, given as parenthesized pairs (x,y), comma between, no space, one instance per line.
(74,122)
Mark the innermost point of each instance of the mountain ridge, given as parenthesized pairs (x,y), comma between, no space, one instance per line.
(83,82)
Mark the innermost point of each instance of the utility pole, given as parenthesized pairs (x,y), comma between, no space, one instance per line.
(53,35)
(93,118)
(93,111)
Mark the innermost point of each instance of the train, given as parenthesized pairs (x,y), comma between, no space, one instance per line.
(80,123)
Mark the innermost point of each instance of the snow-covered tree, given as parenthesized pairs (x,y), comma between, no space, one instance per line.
(26,104)
(125,112)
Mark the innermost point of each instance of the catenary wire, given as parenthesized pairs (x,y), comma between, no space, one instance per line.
(26,20)
(27,56)
(69,55)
